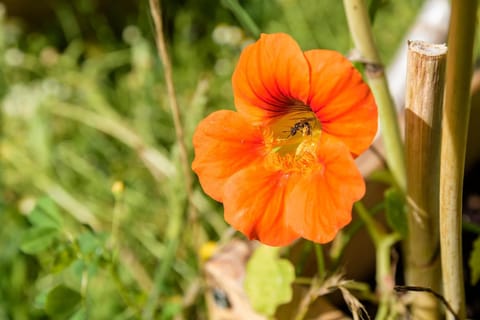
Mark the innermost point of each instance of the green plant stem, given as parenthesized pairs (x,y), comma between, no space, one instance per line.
(303,280)
(384,277)
(115,227)
(454,138)
(242,16)
(383,243)
(343,239)
(320,261)
(374,229)
(361,32)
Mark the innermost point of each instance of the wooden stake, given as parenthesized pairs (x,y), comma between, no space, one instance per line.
(424,100)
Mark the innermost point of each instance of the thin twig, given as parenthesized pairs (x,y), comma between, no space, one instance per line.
(435,294)
(156,13)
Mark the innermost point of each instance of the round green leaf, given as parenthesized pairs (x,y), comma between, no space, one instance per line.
(268,280)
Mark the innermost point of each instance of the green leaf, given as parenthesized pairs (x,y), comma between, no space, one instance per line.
(45,214)
(268,280)
(474,262)
(38,239)
(62,302)
(395,211)
(89,243)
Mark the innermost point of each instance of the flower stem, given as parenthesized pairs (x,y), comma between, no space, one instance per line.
(384,278)
(242,16)
(374,229)
(454,138)
(424,99)
(320,261)
(361,32)
(383,243)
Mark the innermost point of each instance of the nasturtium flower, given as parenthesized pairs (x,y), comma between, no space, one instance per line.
(283,163)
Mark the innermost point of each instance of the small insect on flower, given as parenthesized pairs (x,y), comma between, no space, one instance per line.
(304,126)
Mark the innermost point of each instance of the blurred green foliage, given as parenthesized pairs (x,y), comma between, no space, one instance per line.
(84,108)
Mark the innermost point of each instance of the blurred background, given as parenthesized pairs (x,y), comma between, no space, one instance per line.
(93,211)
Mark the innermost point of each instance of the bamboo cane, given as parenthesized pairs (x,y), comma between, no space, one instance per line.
(424,100)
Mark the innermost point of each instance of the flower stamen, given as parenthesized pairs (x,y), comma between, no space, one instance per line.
(293,149)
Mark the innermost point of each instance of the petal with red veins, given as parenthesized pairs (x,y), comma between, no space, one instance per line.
(341,100)
(271,75)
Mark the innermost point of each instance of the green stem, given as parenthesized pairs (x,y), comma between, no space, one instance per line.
(384,277)
(343,239)
(320,261)
(115,228)
(454,138)
(243,17)
(361,32)
(383,243)
(374,229)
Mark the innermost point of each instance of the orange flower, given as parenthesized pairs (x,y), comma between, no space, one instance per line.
(283,163)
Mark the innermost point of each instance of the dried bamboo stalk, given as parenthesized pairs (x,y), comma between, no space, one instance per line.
(424,99)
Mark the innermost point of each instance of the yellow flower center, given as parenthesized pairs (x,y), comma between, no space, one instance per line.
(292,140)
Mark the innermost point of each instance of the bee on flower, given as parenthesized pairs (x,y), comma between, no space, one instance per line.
(283,163)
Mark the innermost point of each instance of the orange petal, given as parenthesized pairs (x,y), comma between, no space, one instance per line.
(320,202)
(224,143)
(271,75)
(341,100)
(254,205)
